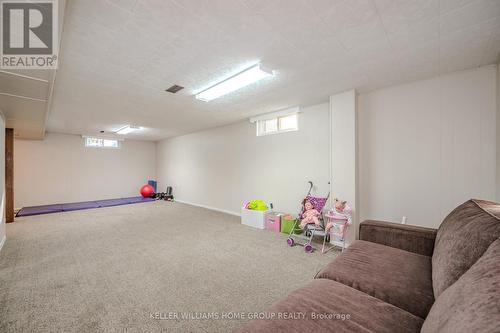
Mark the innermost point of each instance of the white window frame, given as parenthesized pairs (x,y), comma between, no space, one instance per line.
(85,138)
(261,125)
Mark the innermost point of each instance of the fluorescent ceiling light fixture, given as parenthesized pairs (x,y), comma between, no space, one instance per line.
(240,80)
(127,129)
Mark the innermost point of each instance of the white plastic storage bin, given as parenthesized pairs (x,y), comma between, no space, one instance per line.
(253,218)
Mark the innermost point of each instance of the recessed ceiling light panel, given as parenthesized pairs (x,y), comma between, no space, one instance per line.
(240,80)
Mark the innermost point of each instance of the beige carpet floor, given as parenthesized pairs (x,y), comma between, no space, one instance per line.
(112,269)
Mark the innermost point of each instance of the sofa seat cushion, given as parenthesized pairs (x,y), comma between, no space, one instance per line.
(392,275)
(355,312)
(472,304)
(462,239)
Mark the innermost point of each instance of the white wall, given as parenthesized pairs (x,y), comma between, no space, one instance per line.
(2,180)
(427,146)
(226,166)
(61,169)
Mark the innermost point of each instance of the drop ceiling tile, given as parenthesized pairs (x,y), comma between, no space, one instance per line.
(398,14)
(356,38)
(220,11)
(322,7)
(424,53)
(259,6)
(415,35)
(135,39)
(471,37)
(166,20)
(88,39)
(372,52)
(347,14)
(110,16)
(286,20)
(471,14)
(449,5)
(124,4)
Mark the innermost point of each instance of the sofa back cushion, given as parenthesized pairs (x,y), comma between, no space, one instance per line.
(462,239)
(472,303)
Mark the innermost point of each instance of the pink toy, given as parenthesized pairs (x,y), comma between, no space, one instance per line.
(310,215)
(147,191)
(273,222)
(339,218)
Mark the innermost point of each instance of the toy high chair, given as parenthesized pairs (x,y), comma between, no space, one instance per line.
(340,223)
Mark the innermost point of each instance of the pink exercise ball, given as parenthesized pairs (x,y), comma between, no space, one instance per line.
(147,191)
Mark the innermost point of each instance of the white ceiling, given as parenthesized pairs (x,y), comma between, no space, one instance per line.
(118,56)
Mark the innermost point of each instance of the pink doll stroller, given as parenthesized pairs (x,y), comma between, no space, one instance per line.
(310,230)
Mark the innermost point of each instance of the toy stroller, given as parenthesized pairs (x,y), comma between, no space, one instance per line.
(310,230)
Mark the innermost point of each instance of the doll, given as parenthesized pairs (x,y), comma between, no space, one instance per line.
(339,205)
(340,211)
(310,215)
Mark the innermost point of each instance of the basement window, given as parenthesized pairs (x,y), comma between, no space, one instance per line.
(101,143)
(277,125)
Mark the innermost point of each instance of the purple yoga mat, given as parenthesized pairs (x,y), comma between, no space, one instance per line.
(79,206)
(132,200)
(111,202)
(38,210)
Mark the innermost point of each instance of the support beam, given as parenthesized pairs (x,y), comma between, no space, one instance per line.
(9,175)
(344,153)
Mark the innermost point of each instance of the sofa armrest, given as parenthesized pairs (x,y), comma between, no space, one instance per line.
(402,236)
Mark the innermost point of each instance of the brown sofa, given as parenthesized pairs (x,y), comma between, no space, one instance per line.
(402,278)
